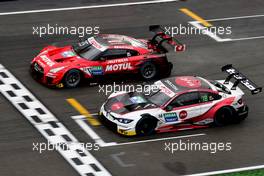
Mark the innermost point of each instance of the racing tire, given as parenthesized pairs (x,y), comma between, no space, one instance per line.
(148,71)
(146,126)
(72,78)
(224,116)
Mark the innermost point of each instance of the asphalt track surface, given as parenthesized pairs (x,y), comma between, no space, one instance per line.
(204,56)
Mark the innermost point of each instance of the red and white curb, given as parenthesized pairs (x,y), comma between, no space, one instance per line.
(49,126)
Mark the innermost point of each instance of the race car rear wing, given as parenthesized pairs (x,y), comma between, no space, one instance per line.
(164,41)
(240,78)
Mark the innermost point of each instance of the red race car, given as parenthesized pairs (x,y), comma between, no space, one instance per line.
(105,54)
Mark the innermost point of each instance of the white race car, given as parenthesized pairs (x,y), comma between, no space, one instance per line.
(179,103)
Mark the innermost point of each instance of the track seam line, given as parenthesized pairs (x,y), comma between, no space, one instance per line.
(88,7)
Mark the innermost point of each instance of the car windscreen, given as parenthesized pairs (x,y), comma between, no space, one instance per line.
(220,86)
(89,49)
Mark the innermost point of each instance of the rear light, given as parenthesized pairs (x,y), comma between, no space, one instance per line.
(240,101)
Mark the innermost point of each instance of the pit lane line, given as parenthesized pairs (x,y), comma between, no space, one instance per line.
(49,126)
(79,119)
(229,171)
(88,7)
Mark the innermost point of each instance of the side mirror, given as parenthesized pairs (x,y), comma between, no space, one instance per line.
(169,108)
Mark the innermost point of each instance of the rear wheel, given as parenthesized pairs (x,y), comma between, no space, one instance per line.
(72,78)
(224,116)
(146,126)
(148,71)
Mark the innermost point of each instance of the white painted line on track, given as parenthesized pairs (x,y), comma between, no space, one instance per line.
(207,32)
(159,139)
(229,171)
(235,18)
(88,7)
(247,38)
(80,121)
(217,38)
(49,126)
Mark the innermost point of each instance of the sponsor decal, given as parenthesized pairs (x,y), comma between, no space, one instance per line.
(246,82)
(96,70)
(188,81)
(41,63)
(164,89)
(123,47)
(183,114)
(137,99)
(47,60)
(171,84)
(115,61)
(117,106)
(97,45)
(68,54)
(170,117)
(117,67)
(37,68)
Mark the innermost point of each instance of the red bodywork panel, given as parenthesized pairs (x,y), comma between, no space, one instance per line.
(66,58)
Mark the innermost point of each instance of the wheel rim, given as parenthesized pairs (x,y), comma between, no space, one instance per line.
(224,117)
(149,71)
(147,127)
(73,79)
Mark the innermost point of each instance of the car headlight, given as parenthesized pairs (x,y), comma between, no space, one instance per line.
(122,120)
(55,70)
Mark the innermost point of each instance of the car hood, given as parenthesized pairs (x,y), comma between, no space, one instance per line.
(52,57)
(128,102)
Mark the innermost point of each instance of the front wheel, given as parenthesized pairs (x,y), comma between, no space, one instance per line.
(146,126)
(72,78)
(148,71)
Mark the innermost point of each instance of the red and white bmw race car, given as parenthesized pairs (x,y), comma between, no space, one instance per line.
(105,54)
(179,103)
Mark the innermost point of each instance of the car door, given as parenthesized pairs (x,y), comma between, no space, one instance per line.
(182,108)
(208,100)
(115,61)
